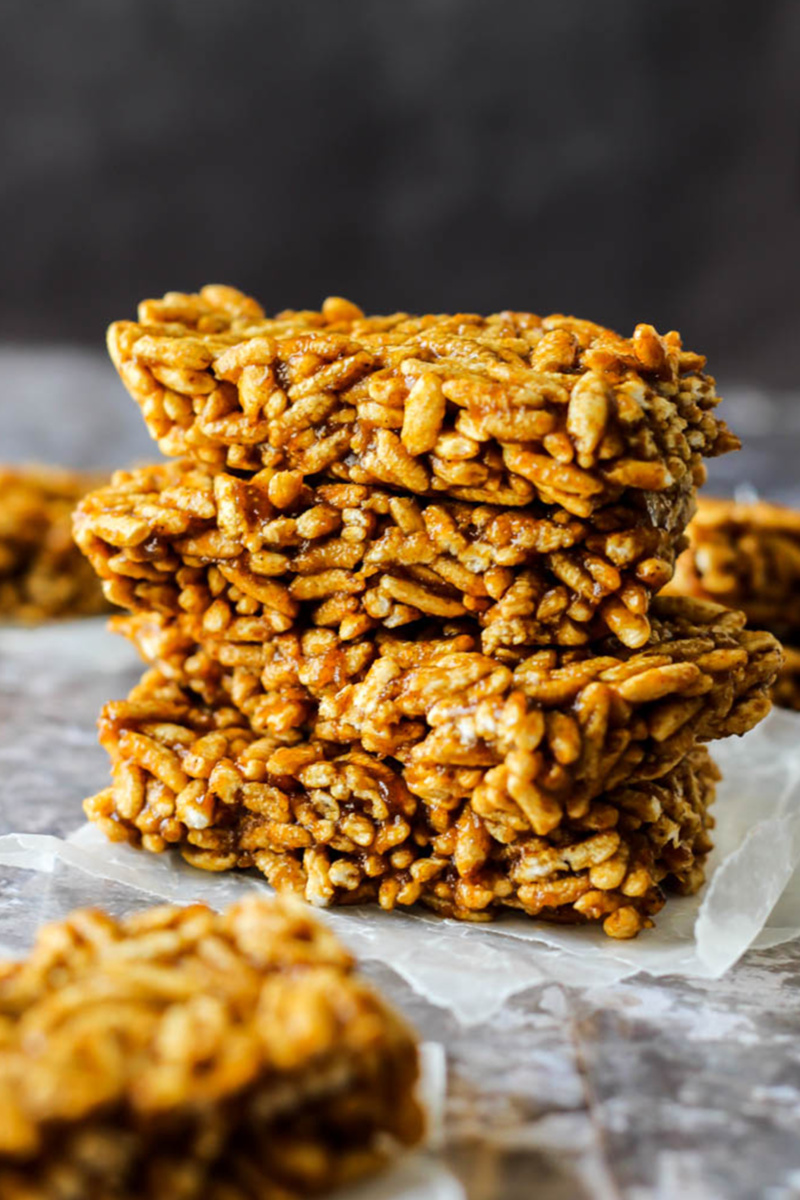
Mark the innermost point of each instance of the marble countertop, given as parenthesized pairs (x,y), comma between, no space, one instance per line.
(651,1089)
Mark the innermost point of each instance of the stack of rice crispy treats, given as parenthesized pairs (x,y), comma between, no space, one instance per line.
(397,590)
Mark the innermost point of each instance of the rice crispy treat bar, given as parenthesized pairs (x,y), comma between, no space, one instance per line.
(263,554)
(503,409)
(181,1053)
(746,556)
(344,827)
(42,573)
(552,730)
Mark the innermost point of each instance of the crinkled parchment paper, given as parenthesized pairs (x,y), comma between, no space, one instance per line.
(752,897)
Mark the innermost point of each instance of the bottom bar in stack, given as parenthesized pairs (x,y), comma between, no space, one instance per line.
(341,825)
(182,1055)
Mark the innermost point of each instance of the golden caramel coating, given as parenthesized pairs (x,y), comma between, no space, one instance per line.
(503,409)
(553,730)
(42,573)
(272,553)
(181,1053)
(344,827)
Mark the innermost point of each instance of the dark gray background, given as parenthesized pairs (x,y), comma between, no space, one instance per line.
(627,160)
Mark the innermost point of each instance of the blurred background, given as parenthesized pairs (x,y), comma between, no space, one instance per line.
(625,161)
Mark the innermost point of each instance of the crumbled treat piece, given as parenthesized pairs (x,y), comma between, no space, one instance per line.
(554,730)
(746,556)
(181,1053)
(502,409)
(273,552)
(42,573)
(345,827)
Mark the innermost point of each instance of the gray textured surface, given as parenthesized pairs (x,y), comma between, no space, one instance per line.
(647,1091)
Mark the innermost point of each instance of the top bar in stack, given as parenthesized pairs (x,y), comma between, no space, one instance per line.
(503,409)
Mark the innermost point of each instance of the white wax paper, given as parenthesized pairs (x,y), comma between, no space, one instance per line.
(752,897)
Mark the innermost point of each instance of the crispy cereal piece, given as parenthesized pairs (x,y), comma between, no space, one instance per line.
(556,728)
(345,827)
(181,538)
(42,573)
(502,409)
(181,1053)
